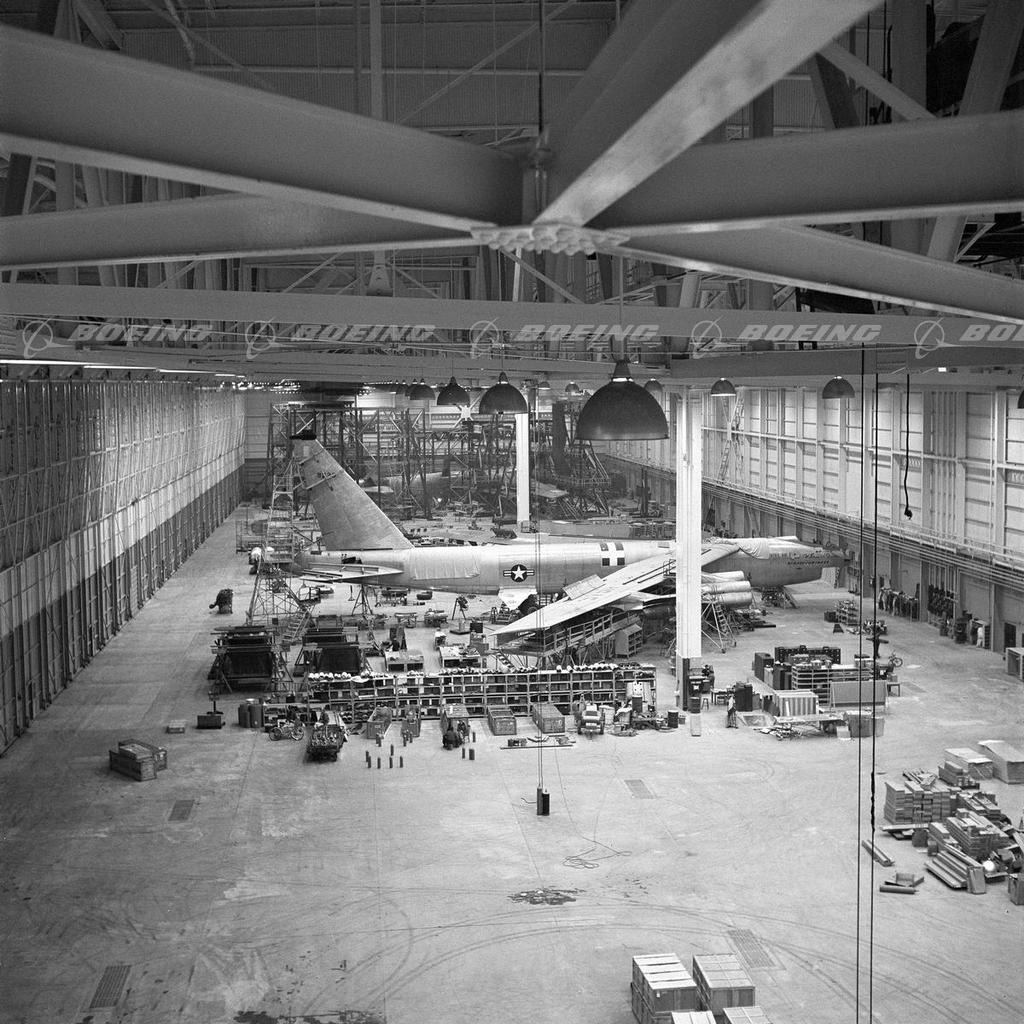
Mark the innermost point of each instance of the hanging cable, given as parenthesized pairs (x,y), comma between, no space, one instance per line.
(874,738)
(860,682)
(906,456)
(541,68)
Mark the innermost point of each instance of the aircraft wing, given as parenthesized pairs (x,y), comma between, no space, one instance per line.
(711,553)
(626,586)
(355,573)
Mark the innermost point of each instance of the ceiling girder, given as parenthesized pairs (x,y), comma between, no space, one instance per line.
(994,56)
(811,258)
(108,110)
(701,60)
(207,227)
(885,172)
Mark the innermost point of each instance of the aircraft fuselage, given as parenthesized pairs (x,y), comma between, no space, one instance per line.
(488,568)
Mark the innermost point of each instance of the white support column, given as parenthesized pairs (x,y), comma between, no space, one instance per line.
(522,467)
(689,427)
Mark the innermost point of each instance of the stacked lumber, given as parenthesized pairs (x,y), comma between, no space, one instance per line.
(975,835)
(983,804)
(133,760)
(957,775)
(693,1017)
(913,803)
(979,767)
(957,870)
(1007,761)
(661,985)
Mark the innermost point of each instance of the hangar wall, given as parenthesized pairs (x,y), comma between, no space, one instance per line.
(106,487)
(780,460)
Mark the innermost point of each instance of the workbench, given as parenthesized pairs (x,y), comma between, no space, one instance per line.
(459,657)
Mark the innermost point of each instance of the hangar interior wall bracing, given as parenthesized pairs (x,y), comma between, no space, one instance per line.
(105,489)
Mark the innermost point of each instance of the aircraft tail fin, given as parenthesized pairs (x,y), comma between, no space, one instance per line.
(348,517)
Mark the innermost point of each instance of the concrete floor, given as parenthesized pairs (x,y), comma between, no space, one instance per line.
(331,893)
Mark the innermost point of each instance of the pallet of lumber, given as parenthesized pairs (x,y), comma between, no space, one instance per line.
(983,804)
(979,767)
(957,776)
(915,804)
(975,835)
(1007,761)
(957,870)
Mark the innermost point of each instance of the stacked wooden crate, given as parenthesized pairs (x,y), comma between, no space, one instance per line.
(975,835)
(661,985)
(1007,761)
(914,804)
(956,775)
(547,718)
(692,1017)
(721,982)
(977,766)
(133,760)
(500,720)
(745,1015)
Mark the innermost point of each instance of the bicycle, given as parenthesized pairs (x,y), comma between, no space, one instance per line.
(895,661)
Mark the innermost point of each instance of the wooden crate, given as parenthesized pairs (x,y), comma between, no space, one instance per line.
(452,715)
(692,1017)
(547,718)
(722,982)
(652,960)
(176,725)
(1007,761)
(141,769)
(500,720)
(745,1015)
(159,754)
(1015,889)
(643,1013)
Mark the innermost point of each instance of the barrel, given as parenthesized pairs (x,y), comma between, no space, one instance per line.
(673,718)
(694,705)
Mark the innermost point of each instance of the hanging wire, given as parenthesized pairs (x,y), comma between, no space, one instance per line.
(860,676)
(906,456)
(874,734)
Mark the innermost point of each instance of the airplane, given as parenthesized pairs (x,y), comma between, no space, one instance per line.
(364,546)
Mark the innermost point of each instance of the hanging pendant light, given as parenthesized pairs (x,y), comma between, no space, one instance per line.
(421,392)
(654,387)
(573,390)
(723,388)
(622,410)
(502,397)
(543,384)
(453,393)
(837,387)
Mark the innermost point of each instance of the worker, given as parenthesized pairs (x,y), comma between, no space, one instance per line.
(451,740)
(730,717)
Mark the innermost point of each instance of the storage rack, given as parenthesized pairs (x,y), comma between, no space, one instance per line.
(817,677)
(427,692)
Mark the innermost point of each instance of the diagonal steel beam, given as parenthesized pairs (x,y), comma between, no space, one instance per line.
(994,56)
(701,60)
(108,110)
(902,104)
(206,228)
(807,257)
(888,172)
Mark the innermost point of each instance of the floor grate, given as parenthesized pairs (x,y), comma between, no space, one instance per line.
(108,991)
(181,810)
(639,789)
(749,947)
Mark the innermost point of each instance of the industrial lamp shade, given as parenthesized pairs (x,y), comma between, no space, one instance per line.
(573,390)
(654,387)
(621,411)
(502,397)
(543,384)
(453,393)
(421,392)
(837,387)
(723,388)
